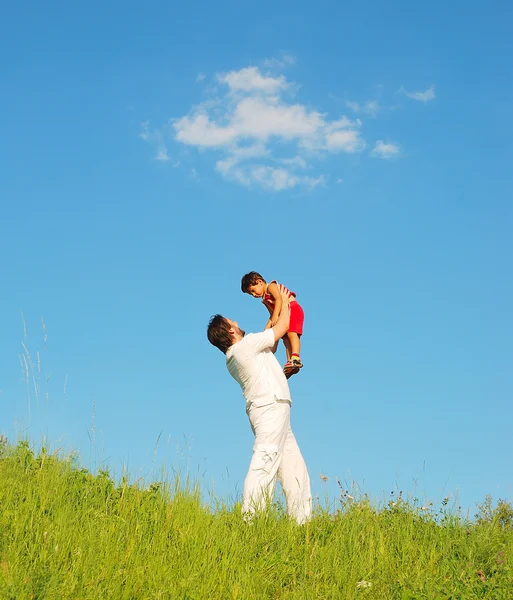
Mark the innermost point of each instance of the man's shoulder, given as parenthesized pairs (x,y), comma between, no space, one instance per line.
(248,340)
(252,336)
(251,341)
(256,338)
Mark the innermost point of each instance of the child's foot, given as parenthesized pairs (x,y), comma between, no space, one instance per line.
(290,369)
(296,361)
(290,372)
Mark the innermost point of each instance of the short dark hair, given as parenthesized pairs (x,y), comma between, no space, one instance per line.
(250,279)
(218,333)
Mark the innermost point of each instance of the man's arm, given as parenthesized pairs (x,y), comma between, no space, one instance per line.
(282,324)
(264,341)
(274,290)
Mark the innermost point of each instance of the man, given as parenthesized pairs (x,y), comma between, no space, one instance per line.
(251,362)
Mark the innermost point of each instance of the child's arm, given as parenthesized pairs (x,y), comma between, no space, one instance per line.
(274,290)
(270,309)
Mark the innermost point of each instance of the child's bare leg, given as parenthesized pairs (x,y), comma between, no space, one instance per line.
(295,345)
(288,348)
(292,345)
(293,340)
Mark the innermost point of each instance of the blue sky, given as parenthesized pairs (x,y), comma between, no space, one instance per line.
(360,154)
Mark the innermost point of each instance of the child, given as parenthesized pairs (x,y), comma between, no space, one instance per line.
(254,284)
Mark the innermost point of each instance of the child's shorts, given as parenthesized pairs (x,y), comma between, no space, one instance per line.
(297,317)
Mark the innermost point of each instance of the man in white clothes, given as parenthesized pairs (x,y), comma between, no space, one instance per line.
(251,362)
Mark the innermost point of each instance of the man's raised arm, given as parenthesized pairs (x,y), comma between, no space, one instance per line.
(282,325)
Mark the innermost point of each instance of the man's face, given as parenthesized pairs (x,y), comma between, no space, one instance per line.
(235,326)
(257,290)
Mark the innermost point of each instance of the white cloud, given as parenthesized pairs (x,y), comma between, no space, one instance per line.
(279,63)
(267,177)
(261,135)
(256,150)
(277,179)
(383,150)
(424,96)
(237,155)
(264,137)
(348,140)
(371,107)
(295,161)
(155,139)
(273,178)
(201,131)
(237,167)
(262,118)
(354,106)
(250,79)
(162,154)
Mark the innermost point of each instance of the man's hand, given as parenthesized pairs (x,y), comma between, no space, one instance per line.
(285,301)
(284,296)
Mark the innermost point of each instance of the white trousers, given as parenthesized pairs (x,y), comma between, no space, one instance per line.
(276,455)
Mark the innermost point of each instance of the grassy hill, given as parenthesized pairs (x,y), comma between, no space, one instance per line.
(68,534)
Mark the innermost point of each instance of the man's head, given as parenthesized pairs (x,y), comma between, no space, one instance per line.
(223,333)
(253,284)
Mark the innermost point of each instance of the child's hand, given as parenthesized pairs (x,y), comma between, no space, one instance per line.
(273,321)
(268,325)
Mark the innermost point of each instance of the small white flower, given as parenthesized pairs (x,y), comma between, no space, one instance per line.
(364,584)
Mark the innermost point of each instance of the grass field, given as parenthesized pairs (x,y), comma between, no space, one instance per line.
(68,534)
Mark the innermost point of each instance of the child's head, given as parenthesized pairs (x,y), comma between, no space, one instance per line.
(253,284)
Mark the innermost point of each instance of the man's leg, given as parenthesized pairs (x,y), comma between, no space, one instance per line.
(295,481)
(270,425)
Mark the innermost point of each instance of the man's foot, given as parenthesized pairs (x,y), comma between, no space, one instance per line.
(290,369)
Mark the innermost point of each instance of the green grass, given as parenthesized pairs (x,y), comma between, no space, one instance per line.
(65,533)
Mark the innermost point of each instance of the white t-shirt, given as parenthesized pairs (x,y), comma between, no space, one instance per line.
(255,368)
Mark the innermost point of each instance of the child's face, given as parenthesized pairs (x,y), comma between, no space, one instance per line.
(257,290)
